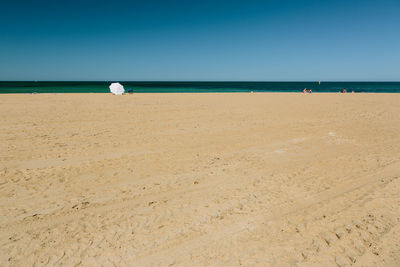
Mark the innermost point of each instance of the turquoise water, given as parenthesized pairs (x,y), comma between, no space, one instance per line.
(197,87)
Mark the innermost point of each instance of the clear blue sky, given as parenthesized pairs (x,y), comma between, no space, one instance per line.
(276,40)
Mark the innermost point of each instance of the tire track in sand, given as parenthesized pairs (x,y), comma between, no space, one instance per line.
(184,249)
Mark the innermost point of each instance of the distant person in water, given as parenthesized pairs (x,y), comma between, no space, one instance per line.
(344,90)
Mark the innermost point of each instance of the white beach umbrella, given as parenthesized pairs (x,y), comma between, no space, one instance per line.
(117,89)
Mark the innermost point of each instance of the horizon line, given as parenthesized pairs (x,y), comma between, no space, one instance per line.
(199,81)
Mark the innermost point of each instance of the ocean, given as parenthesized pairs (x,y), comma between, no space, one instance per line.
(8,87)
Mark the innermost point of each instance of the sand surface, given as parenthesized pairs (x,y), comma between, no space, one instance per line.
(200,179)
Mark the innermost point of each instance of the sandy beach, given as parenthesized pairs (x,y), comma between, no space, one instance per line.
(267,179)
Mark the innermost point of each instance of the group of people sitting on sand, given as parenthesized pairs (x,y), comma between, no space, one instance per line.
(345,91)
(309,91)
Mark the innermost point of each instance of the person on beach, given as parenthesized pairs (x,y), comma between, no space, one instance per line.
(310,91)
(344,90)
(305,91)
